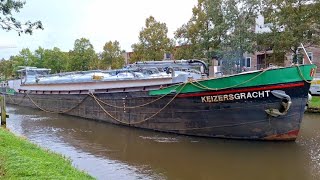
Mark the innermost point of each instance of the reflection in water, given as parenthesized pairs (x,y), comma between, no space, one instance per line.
(114,152)
(310,141)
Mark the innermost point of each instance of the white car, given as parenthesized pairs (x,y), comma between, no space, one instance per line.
(315,87)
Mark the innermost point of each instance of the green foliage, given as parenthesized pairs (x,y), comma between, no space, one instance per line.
(203,32)
(315,102)
(153,41)
(219,26)
(138,54)
(24,58)
(8,22)
(112,56)
(56,60)
(184,52)
(6,69)
(227,27)
(23,160)
(240,17)
(83,56)
(292,22)
(39,56)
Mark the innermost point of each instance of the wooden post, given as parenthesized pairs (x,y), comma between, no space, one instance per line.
(3,110)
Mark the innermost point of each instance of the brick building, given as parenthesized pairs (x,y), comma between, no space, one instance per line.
(258,59)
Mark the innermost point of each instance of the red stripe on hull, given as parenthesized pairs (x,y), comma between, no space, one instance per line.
(272,87)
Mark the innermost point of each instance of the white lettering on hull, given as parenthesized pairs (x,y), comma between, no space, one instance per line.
(236,96)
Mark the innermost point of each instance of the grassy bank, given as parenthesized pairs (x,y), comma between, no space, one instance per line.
(20,159)
(315,102)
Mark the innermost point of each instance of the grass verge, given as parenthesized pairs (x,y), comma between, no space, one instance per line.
(315,102)
(20,159)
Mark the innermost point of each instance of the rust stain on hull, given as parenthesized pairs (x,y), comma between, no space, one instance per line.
(291,135)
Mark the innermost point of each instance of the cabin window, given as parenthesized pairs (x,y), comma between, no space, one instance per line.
(31,73)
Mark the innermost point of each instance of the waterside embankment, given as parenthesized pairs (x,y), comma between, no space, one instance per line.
(314,105)
(22,159)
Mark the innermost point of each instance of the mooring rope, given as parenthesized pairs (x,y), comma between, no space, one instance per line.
(301,74)
(56,112)
(201,86)
(140,121)
(15,102)
(133,107)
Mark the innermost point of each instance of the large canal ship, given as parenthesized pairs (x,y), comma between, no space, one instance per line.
(176,97)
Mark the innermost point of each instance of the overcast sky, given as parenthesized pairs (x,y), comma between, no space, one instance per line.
(100,21)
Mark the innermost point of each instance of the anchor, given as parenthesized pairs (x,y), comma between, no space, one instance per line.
(285,104)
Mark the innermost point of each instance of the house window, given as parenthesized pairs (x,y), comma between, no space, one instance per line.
(246,62)
(300,59)
(310,54)
(297,59)
(167,55)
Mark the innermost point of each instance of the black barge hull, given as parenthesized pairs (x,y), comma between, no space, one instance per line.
(239,113)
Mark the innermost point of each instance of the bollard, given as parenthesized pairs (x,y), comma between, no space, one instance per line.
(3,111)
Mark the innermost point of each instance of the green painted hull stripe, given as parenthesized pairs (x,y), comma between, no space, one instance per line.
(257,78)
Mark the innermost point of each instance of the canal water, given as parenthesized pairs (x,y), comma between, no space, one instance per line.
(114,152)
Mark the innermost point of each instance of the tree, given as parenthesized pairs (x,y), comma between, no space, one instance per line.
(9,67)
(8,22)
(184,52)
(24,58)
(204,31)
(240,17)
(39,57)
(153,41)
(112,55)
(6,69)
(291,23)
(82,55)
(56,60)
(138,54)
(188,38)
(220,28)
